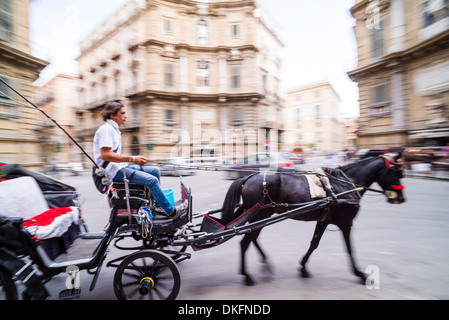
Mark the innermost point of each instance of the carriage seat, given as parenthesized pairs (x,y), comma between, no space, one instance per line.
(22,197)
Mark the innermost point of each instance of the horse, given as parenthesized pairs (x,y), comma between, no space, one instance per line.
(294,188)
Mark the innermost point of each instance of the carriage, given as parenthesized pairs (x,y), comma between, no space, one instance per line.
(151,271)
(158,244)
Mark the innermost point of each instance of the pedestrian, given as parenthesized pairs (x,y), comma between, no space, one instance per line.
(107,146)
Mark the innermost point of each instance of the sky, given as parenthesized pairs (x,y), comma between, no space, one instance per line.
(318,37)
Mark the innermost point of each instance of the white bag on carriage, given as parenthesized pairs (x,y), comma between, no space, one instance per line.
(22,197)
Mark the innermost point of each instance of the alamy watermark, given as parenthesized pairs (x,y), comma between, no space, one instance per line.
(373,277)
(73,279)
(232,143)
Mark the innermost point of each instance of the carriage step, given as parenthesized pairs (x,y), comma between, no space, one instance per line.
(70,294)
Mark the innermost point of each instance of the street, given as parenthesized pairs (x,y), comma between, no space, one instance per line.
(405,247)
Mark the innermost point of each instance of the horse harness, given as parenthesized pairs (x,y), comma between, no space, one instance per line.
(330,194)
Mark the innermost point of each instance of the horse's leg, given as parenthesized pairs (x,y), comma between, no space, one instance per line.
(267,266)
(346,229)
(244,244)
(319,230)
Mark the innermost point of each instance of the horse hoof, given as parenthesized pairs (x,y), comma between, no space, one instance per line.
(304,273)
(249,282)
(363,278)
(267,268)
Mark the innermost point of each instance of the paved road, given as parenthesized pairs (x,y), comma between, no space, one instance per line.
(407,244)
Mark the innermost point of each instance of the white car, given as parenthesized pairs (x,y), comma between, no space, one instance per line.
(76,168)
(178,166)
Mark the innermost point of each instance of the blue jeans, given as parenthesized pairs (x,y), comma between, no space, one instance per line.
(150,177)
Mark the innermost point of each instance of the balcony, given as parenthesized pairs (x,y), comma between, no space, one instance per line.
(434,29)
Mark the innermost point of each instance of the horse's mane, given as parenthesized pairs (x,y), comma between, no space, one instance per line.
(341,174)
(356,164)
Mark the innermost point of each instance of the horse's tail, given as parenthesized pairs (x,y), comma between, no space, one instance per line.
(232,200)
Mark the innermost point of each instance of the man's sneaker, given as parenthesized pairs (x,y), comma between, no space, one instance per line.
(180,209)
(159,210)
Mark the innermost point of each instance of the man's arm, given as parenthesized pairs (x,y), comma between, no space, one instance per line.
(108,155)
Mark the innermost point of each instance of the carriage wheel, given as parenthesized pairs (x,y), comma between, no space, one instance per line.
(147,274)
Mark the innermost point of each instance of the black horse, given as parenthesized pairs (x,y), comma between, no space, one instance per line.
(294,188)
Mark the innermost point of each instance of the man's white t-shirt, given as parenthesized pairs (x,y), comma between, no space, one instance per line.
(109,136)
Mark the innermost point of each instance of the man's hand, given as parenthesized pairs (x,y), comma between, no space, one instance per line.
(140,160)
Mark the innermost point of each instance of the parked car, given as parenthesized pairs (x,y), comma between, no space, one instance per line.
(177,166)
(278,161)
(76,168)
(297,158)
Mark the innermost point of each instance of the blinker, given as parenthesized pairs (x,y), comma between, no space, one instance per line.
(398,187)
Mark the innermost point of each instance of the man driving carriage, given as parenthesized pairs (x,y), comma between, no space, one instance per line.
(107,149)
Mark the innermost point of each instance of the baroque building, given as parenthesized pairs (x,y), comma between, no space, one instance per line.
(57,98)
(313,118)
(402,72)
(19,133)
(198,78)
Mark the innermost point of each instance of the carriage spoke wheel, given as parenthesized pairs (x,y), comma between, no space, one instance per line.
(147,275)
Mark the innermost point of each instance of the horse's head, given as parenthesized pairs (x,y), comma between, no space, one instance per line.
(390,178)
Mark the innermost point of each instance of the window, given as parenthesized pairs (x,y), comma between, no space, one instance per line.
(134,79)
(235,78)
(135,115)
(5,20)
(169,75)
(380,94)
(236,116)
(7,107)
(169,116)
(5,92)
(379,100)
(235,30)
(377,40)
(434,11)
(298,113)
(264,83)
(117,84)
(168,26)
(202,74)
(318,110)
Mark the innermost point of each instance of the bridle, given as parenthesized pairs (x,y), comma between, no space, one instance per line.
(391,192)
(392,164)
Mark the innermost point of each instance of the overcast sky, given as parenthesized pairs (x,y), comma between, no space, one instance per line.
(318,37)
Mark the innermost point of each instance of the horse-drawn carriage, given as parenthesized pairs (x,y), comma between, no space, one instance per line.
(151,271)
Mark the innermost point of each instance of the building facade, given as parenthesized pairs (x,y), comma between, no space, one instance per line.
(19,133)
(197,77)
(313,118)
(58,99)
(402,72)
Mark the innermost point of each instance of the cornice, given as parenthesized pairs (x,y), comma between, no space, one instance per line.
(399,58)
(196,97)
(20,58)
(191,48)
